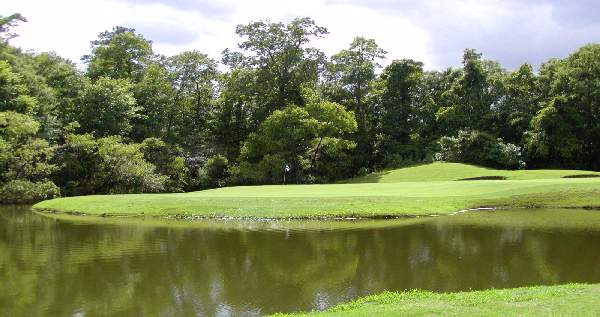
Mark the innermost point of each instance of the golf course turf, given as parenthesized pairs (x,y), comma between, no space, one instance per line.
(562,300)
(437,188)
(421,190)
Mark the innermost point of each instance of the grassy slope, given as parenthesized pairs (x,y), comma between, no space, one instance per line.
(435,192)
(441,171)
(564,300)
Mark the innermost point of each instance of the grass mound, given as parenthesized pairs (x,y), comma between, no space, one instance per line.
(443,171)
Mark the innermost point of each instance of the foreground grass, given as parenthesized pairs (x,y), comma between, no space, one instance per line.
(563,300)
(350,200)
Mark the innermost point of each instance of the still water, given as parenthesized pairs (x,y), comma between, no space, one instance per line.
(96,267)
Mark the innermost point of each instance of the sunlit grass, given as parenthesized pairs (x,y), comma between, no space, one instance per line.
(443,171)
(564,300)
(428,195)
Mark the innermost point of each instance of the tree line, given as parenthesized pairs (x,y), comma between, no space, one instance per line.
(136,121)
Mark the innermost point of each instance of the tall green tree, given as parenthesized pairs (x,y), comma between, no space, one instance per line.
(24,161)
(432,98)
(518,105)
(119,54)
(553,139)
(565,132)
(279,51)
(14,95)
(581,85)
(399,109)
(352,74)
(155,97)
(65,83)
(299,137)
(107,107)
(194,77)
(235,109)
(468,104)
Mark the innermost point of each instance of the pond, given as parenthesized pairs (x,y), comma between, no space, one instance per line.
(91,267)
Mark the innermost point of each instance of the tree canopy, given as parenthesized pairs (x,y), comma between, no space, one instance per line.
(132,120)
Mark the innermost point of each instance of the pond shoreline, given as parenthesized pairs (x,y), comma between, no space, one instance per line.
(49,212)
(430,190)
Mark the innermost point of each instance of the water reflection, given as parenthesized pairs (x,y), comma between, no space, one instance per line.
(58,267)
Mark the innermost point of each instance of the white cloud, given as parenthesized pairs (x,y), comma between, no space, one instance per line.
(67,26)
(434,31)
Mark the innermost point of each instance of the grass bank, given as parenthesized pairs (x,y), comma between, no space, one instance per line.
(423,190)
(443,171)
(563,300)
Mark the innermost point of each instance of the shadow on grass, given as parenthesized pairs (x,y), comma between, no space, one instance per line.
(581,176)
(369,178)
(483,178)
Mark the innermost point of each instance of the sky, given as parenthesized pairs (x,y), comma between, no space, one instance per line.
(434,32)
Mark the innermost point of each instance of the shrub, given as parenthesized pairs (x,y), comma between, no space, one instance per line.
(269,170)
(214,172)
(106,166)
(27,192)
(480,148)
(168,161)
(123,169)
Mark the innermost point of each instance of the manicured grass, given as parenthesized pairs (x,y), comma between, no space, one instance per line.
(346,200)
(442,171)
(563,300)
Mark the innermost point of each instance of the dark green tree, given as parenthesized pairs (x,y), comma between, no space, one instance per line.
(352,74)
(119,54)
(107,107)
(298,137)
(278,51)
(468,104)
(155,97)
(565,132)
(518,105)
(399,110)
(235,108)
(24,161)
(191,115)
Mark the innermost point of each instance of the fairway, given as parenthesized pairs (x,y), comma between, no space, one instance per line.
(423,190)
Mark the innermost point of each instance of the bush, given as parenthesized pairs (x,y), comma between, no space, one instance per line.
(479,148)
(269,170)
(214,172)
(123,169)
(363,171)
(27,192)
(178,173)
(168,161)
(106,166)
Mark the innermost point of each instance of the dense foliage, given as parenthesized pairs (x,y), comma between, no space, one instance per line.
(136,121)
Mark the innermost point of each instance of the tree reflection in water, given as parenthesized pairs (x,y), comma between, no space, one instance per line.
(58,267)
